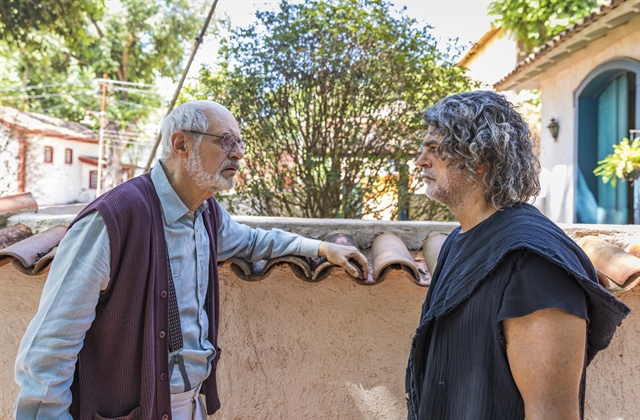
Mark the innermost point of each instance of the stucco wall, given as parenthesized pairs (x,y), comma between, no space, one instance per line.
(557,86)
(331,350)
(58,182)
(19,298)
(613,378)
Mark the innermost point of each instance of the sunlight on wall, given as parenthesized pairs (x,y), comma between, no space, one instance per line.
(376,403)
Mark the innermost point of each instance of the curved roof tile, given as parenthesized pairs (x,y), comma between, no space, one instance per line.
(27,254)
(618,270)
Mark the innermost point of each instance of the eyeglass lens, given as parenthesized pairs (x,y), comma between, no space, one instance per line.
(228,142)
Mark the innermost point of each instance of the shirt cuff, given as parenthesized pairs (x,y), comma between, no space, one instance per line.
(309,247)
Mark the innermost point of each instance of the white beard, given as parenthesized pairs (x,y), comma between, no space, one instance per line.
(204,180)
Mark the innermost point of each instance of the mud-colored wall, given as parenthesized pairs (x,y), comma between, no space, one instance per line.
(330,350)
(613,378)
(333,350)
(19,298)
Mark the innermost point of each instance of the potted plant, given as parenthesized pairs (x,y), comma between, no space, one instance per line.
(623,164)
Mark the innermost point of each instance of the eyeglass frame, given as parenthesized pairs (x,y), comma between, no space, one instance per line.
(240,142)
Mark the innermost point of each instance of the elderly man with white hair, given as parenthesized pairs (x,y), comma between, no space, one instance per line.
(128,320)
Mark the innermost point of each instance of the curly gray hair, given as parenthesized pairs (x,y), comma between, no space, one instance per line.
(483,126)
(187,117)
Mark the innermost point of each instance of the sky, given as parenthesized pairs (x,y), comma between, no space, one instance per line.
(466,20)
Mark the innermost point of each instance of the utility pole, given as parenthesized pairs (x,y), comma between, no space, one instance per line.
(199,40)
(103,109)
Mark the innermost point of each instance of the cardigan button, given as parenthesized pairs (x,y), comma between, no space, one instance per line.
(165,416)
(163,294)
(163,376)
(162,334)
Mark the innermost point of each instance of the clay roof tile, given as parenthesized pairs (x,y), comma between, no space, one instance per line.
(26,254)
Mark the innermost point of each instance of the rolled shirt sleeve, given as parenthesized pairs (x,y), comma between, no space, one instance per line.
(48,352)
(239,240)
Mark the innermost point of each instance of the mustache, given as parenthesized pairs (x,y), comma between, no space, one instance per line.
(231,163)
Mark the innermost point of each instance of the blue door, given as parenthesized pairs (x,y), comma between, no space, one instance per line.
(613,125)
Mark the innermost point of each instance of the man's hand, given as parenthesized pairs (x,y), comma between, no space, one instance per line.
(340,254)
(546,352)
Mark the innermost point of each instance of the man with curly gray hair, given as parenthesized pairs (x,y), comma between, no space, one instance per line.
(514,312)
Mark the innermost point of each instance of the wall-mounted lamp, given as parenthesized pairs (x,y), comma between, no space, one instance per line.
(554,127)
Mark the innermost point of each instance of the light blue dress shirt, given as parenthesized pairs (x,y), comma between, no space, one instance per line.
(48,352)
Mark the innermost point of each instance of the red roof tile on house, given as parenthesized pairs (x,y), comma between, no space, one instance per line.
(564,39)
(39,124)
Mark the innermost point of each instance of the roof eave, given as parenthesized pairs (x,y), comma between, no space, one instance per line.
(576,37)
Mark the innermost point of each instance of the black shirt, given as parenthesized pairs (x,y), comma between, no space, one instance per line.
(467,373)
(514,263)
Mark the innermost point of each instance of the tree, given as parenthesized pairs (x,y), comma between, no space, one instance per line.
(534,22)
(61,47)
(64,18)
(330,97)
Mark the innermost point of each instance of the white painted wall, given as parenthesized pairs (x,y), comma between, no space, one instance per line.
(557,86)
(8,162)
(58,182)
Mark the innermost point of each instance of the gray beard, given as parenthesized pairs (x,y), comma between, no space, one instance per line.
(206,181)
(451,191)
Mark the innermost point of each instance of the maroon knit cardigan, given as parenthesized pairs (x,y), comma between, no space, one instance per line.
(122,369)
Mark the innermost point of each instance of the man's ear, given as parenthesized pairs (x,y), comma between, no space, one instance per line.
(179,140)
(482,168)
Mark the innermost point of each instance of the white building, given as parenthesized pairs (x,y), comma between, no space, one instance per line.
(589,80)
(55,160)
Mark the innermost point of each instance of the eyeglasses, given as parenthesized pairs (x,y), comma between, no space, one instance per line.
(228,140)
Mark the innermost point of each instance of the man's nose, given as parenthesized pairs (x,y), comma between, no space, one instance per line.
(235,152)
(422,161)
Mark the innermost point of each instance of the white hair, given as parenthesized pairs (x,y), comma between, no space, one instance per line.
(187,117)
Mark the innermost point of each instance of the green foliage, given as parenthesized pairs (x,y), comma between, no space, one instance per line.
(423,208)
(623,164)
(20,19)
(330,97)
(52,51)
(535,22)
(140,42)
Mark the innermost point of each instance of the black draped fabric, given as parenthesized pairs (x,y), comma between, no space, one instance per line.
(514,263)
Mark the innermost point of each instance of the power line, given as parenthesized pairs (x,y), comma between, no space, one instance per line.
(124,83)
(45,86)
(44,95)
(125,89)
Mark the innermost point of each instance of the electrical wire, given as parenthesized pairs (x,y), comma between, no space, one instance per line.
(119,82)
(126,89)
(46,86)
(44,95)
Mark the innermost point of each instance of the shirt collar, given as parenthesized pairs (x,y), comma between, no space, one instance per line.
(172,206)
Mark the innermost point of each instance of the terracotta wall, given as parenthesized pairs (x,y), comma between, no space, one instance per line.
(613,378)
(331,350)
(19,298)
